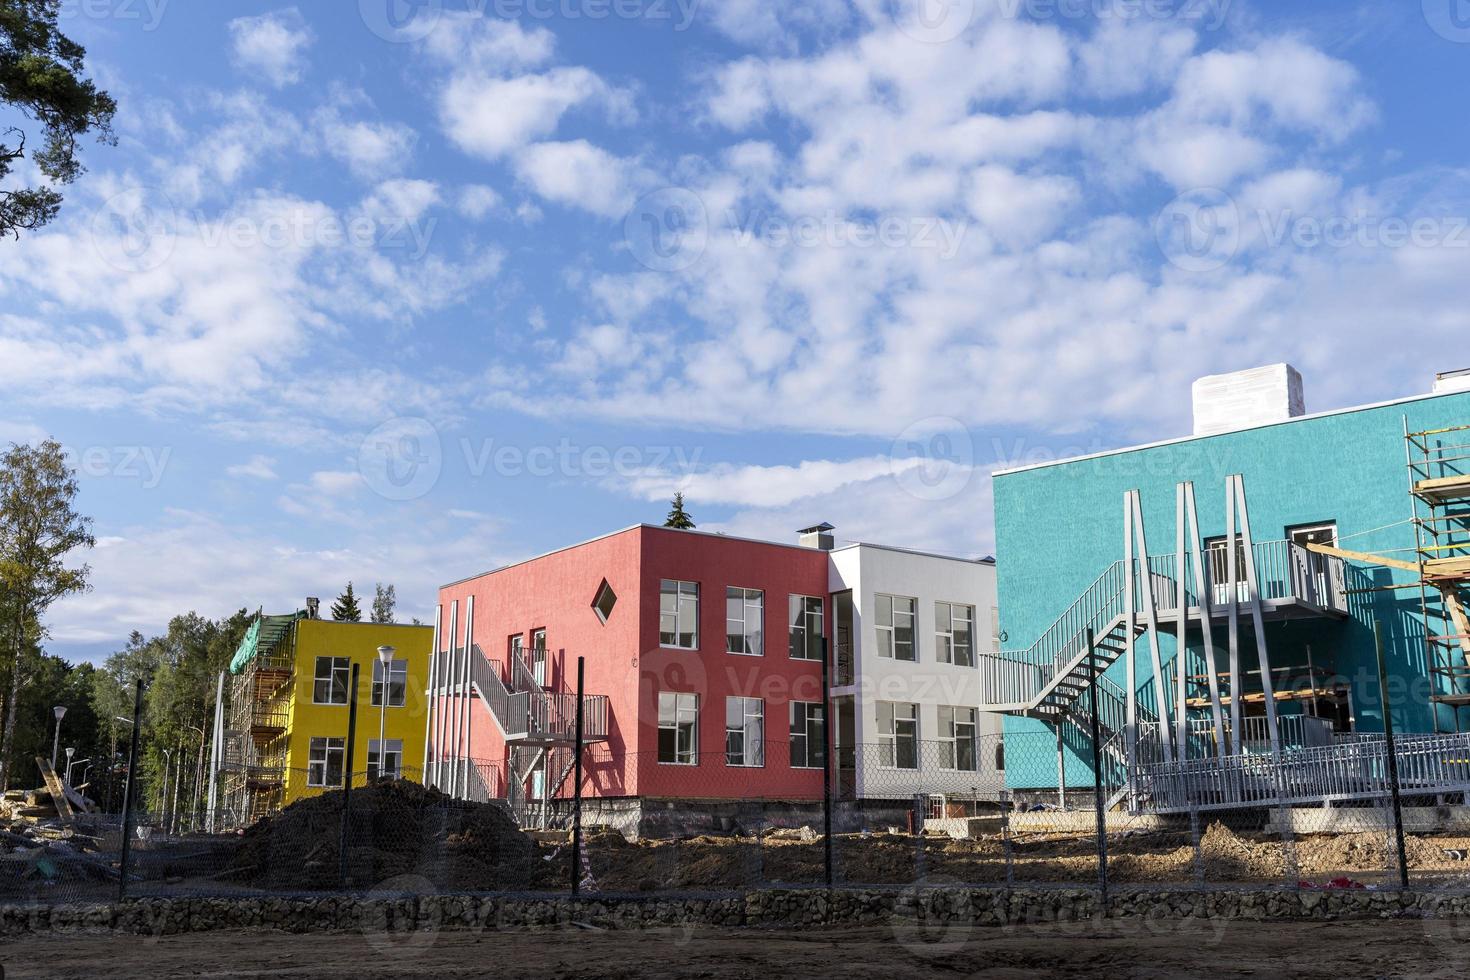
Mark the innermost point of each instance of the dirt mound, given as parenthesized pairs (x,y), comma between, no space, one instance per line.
(395,829)
(1229,857)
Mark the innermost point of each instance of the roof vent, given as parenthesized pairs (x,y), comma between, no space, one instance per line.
(817,536)
(1452,381)
(313,607)
(1243,399)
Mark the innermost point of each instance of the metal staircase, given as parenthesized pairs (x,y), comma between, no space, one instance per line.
(539,726)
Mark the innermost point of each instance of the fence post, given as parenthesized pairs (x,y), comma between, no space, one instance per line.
(1393,761)
(577,787)
(347,773)
(129,792)
(1099,800)
(826,775)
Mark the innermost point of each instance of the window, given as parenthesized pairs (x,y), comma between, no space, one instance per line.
(1217,557)
(957,738)
(678,614)
(842,625)
(603,602)
(745,732)
(806,735)
(333,675)
(397,683)
(392,760)
(678,729)
(806,628)
(745,613)
(1318,587)
(954,633)
(324,764)
(538,657)
(895,621)
(898,735)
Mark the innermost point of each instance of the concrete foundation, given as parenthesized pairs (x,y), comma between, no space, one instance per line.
(1358,820)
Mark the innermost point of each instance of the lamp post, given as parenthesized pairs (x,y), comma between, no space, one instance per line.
(385,658)
(60,712)
(70,751)
(85,763)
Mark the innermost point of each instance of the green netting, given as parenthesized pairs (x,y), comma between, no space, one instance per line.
(261,638)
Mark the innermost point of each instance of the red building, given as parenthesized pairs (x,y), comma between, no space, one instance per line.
(702,672)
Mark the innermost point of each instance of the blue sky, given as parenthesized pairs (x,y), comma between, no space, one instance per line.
(399,291)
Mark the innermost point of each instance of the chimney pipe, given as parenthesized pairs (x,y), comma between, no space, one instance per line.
(817,536)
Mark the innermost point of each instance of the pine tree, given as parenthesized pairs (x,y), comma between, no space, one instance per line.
(385,598)
(677,517)
(346,609)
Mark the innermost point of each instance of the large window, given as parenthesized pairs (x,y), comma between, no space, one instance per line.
(898,735)
(333,675)
(745,615)
(842,625)
(538,657)
(954,634)
(324,763)
(678,729)
(392,760)
(957,734)
(745,732)
(397,683)
(806,735)
(806,627)
(678,614)
(895,622)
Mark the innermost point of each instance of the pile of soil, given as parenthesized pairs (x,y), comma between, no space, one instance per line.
(395,829)
(1229,857)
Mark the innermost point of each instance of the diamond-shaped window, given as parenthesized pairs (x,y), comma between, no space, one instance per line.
(605,600)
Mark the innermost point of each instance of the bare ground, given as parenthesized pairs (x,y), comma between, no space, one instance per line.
(1124,948)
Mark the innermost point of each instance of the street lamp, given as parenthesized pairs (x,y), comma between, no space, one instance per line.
(385,658)
(70,751)
(60,712)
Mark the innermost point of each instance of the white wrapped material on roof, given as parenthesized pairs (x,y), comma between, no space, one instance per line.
(1242,399)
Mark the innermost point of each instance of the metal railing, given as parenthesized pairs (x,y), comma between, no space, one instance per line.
(532,712)
(1285,571)
(1344,770)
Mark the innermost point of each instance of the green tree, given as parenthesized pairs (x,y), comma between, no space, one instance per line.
(385,598)
(39,529)
(346,609)
(41,77)
(678,517)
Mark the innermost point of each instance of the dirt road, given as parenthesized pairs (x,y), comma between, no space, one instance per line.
(1364,949)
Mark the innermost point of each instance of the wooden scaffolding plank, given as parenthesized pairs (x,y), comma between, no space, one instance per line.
(57,791)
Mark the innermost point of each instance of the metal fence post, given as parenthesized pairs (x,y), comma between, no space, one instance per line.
(827,773)
(347,773)
(577,787)
(130,793)
(1393,762)
(1099,800)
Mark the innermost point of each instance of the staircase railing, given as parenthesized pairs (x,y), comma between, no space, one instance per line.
(512,709)
(531,711)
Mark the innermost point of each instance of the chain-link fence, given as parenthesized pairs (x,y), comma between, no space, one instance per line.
(1016,810)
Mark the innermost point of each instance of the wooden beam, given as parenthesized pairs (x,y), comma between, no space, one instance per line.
(1364,557)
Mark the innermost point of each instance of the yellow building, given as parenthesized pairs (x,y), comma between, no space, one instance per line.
(290,701)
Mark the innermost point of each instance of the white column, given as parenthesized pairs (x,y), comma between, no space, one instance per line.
(469,707)
(1181,625)
(1253,594)
(1232,601)
(429,700)
(1203,587)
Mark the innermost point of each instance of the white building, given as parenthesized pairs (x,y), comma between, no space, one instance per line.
(910,631)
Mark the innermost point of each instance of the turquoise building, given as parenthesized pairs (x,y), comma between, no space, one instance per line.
(1341,479)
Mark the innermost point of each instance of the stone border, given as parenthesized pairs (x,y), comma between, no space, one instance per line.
(921,906)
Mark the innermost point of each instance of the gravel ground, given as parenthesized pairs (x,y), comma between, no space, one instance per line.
(1122,948)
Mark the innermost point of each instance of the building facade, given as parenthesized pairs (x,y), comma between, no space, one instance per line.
(289,701)
(1278,637)
(702,668)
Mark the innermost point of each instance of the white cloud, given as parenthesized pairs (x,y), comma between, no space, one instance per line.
(578,174)
(1020,210)
(401,200)
(475,201)
(490,117)
(371,150)
(765,486)
(257,467)
(467,38)
(272,44)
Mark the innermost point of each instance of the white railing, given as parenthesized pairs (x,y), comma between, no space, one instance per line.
(1285,572)
(1356,769)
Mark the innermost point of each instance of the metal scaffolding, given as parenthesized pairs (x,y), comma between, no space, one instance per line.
(1439,486)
